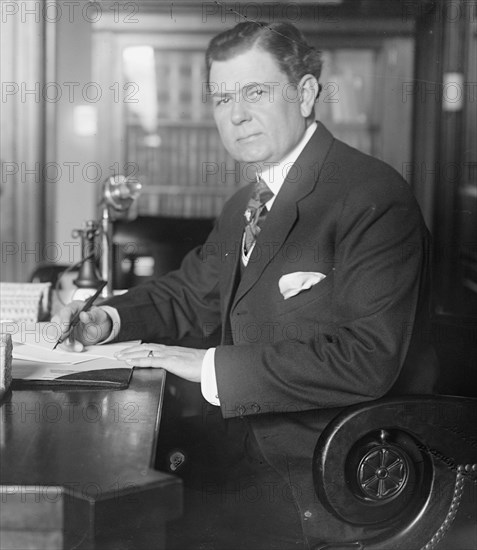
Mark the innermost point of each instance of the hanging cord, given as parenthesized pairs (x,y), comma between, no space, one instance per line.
(67,270)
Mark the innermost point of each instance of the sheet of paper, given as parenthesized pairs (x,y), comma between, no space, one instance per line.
(109,350)
(35,342)
(35,334)
(43,355)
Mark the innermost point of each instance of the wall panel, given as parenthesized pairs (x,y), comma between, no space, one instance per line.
(21,135)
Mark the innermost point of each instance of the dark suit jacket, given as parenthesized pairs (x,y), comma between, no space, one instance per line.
(355,336)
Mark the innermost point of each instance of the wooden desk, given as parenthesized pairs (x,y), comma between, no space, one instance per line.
(76,468)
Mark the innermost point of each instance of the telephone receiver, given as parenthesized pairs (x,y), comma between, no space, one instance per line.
(119,192)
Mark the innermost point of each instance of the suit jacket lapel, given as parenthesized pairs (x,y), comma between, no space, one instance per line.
(300,182)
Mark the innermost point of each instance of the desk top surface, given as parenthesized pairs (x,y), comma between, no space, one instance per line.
(96,441)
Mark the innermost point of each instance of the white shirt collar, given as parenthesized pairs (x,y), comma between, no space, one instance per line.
(275,174)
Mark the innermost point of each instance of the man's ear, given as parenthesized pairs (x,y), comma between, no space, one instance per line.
(309,88)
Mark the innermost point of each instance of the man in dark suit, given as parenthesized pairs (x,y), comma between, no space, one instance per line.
(320,292)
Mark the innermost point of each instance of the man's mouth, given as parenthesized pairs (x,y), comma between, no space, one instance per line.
(248,138)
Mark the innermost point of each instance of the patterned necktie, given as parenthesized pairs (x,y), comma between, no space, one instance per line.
(256,212)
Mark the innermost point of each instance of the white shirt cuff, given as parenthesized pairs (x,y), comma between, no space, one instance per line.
(208,380)
(116,322)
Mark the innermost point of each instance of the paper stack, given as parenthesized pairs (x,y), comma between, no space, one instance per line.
(24,301)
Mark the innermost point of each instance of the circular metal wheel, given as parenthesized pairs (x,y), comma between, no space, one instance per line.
(383,472)
(383,478)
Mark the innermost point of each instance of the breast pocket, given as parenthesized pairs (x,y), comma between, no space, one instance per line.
(306,298)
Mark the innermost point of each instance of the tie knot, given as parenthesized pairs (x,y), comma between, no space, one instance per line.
(260,196)
(262,193)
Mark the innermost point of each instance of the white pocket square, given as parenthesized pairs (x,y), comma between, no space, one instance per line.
(292,284)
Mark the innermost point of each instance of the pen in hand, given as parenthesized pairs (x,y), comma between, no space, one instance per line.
(76,317)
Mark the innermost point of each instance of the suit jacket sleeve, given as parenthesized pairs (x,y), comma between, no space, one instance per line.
(379,265)
(184,303)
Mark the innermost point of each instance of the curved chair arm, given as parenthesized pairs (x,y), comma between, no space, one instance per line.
(396,468)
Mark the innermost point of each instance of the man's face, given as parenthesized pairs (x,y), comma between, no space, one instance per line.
(258,113)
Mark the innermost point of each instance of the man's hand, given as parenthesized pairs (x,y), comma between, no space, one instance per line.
(94,326)
(183,362)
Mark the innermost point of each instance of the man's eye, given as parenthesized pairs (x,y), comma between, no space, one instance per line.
(222,101)
(255,93)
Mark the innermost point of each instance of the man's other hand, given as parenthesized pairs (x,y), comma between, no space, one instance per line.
(94,326)
(183,362)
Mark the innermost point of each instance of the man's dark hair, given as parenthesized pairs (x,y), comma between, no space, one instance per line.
(283,41)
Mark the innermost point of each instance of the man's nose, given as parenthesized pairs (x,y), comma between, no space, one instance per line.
(240,111)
